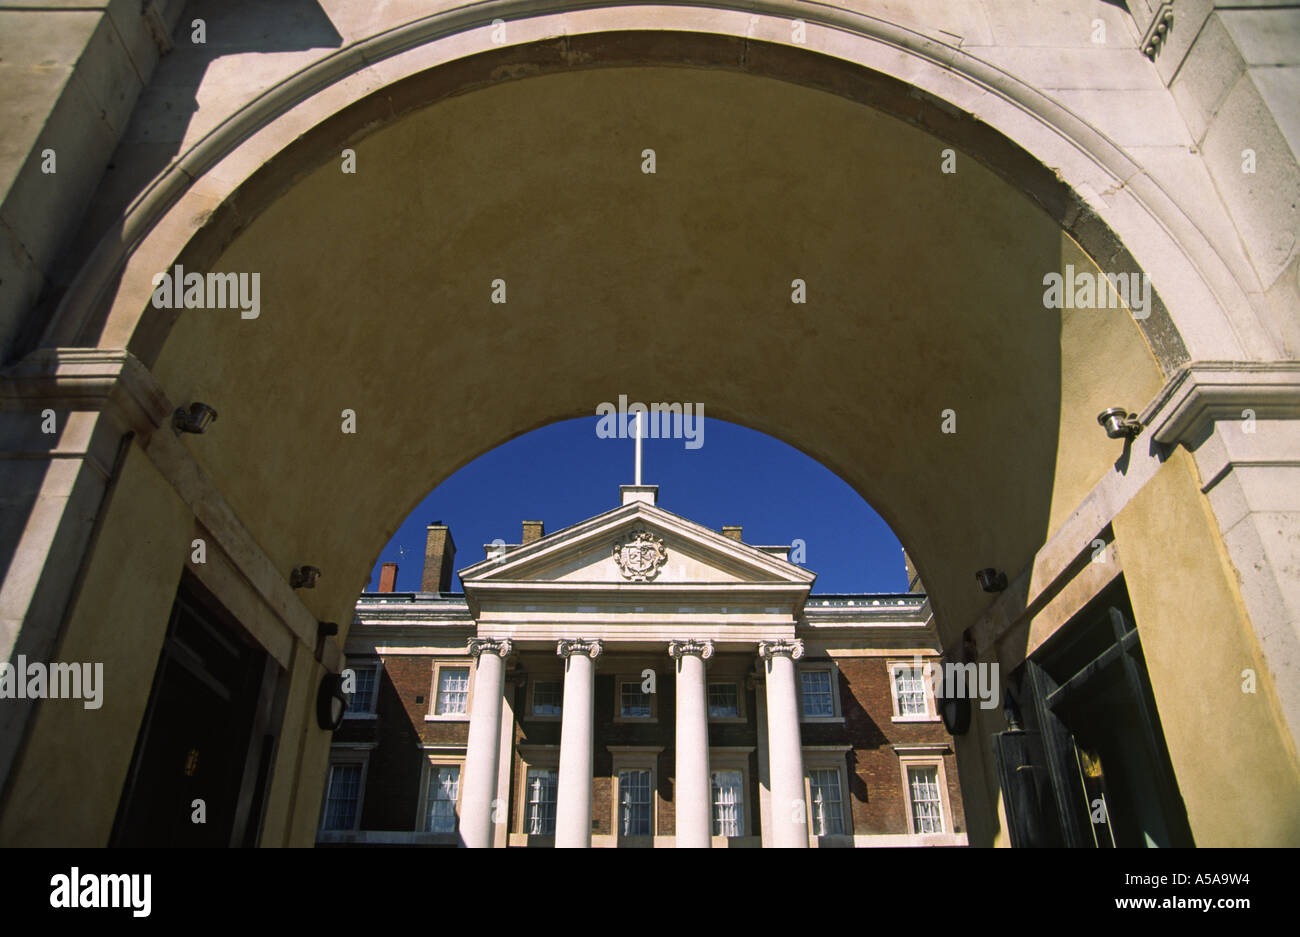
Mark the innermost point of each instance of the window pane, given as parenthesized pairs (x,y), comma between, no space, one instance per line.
(453,691)
(817,693)
(444,784)
(547,697)
(539,818)
(341,799)
(927,814)
(728,803)
(722,700)
(910,687)
(634,802)
(827,802)
(632,702)
(363,700)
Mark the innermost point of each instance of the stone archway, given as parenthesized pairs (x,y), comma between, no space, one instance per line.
(774,163)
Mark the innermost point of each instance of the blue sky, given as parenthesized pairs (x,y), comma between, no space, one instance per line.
(564,473)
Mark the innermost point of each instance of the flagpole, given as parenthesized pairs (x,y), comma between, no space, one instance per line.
(638,448)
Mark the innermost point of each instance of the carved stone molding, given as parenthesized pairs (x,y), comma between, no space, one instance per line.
(111,380)
(568,647)
(639,555)
(1206,391)
(1155,30)
(784,647)
(498,646)
(679,649)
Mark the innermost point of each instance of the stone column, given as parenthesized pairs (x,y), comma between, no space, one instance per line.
(785,749)
(483,753)
(573,804)
(694,795)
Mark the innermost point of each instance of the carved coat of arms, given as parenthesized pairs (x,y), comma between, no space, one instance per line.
(640,555)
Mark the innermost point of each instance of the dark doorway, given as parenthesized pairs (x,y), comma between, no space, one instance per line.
(208,734)
(1085,763)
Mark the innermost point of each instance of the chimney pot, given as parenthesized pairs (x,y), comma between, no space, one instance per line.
(733,532)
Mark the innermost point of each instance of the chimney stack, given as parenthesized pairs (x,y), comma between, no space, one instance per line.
(388,577)
(439,555)
(533,530)
(733,532)
(913,577)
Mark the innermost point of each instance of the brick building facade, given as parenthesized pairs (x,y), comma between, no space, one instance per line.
(612,684)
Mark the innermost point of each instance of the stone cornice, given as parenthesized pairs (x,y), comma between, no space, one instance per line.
(112,380)
(1206,391)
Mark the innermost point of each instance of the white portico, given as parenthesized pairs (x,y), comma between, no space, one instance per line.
(643,582)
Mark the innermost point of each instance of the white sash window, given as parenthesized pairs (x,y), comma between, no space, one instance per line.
(927,808)
(728,803)
(827,802)
(634,803)
(444,786)
(541,787)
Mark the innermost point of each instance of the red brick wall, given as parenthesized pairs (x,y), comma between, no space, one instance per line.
(875,780)
(397,761)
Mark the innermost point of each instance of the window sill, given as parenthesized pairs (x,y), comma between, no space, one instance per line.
(360,715)
(917,719)
(452,717)
(830,720)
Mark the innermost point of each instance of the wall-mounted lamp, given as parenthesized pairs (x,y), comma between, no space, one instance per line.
(194,420)
(955,713)
(326,629)
(992,580)
(1119,423)
(304,577)
(331,702)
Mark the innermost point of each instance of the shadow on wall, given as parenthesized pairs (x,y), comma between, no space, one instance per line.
(166,108)
(395,762)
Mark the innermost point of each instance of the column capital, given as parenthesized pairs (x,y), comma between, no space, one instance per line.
(679,649)
(792,648)
(566,648)
(498,646)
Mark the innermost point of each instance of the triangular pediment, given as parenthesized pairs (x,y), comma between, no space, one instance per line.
(637,544)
